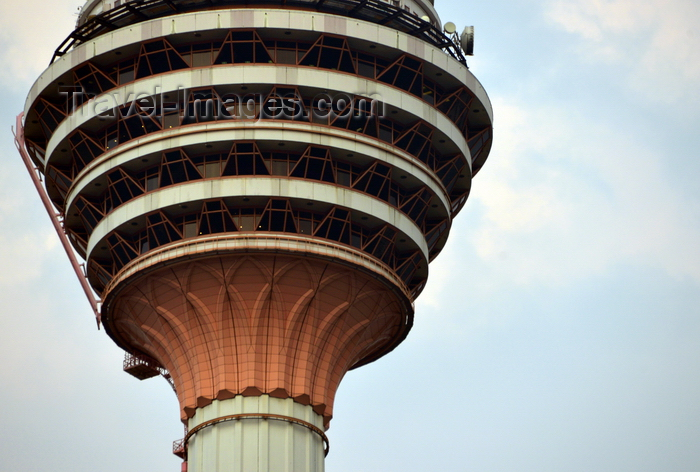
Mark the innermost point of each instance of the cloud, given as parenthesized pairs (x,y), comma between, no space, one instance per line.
(24,247)
(657,41)
(29,40)
(556,206)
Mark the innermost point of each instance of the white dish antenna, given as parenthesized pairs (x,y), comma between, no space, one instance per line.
(467,40)
(450,27)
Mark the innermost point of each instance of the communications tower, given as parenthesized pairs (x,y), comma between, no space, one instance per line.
(256,188)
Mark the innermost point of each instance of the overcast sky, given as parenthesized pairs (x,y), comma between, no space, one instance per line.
(560,329)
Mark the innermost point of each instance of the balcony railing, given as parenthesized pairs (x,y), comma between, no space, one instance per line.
(374,11)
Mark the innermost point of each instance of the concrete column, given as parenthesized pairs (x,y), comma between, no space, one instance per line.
(250,444)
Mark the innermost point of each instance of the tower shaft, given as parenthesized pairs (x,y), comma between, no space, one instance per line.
(259,433)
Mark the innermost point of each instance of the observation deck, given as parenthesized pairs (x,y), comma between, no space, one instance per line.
(293,163)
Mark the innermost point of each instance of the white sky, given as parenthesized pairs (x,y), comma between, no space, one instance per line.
(560,330)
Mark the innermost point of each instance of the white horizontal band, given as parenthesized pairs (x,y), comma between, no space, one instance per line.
(258,18)
(288,76)
(264,242)
(257,186)
(238,131)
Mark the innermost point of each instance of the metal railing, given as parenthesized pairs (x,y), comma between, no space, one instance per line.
(374,11)
(226,244)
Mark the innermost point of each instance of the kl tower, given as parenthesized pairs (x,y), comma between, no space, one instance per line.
(256,189)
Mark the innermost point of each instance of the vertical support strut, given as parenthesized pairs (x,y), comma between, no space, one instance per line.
(58,226)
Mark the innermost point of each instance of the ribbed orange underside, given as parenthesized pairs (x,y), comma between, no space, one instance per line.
(281,325)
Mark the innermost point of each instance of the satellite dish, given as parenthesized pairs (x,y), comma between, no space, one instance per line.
(467,40)
(450,27)
(425,18)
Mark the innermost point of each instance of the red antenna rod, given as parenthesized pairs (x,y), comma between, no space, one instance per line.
(58,226)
